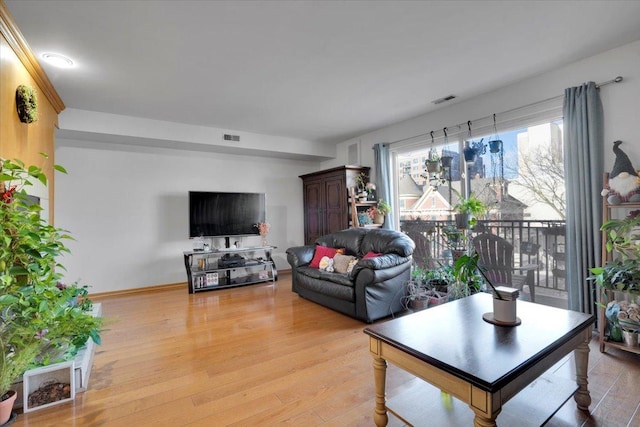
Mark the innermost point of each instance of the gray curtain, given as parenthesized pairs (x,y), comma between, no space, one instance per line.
(583,163)
(383,180)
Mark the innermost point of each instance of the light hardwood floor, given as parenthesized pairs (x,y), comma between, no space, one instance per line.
(261,356)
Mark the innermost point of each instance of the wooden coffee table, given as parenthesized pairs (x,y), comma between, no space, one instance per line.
(483,365)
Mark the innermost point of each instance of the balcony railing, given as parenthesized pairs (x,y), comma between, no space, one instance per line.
(534,242)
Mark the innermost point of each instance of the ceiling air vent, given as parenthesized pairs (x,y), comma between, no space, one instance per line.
(228,137)
(445,99)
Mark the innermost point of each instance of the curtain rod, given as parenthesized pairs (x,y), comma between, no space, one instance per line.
(618,79)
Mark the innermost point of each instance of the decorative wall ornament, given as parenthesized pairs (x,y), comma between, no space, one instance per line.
(27,104)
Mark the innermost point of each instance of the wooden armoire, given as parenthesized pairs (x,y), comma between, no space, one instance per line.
(326,200)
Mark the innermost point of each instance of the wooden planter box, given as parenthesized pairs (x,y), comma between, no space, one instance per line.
(82,365)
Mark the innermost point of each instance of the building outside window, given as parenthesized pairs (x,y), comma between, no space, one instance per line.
(522,183)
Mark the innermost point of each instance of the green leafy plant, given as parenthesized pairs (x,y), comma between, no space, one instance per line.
(433,276)
(623,235)
(383,207)
(454,238)
(432,163)
(37,314)
(471,205)
(18,350)
(618,275)
(470,275)
(468,210)
(362,179)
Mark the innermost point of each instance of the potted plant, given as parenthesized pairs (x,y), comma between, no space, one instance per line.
(495,145)
(383,208)
(432,164)
(621,275)
(470,279)
(440,278)
(19,347)
(455,240)
(618,275)
(428,287)
(433,161)
(623,237)
(39,323)
(446,161)
(624,321)
(361,180)
(371,191)
(472,150)
(468,210)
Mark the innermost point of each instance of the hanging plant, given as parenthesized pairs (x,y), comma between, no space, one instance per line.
(469,152)
(495,146)
(26,104)
(446,161)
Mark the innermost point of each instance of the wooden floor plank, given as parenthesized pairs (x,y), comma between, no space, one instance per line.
(261,356)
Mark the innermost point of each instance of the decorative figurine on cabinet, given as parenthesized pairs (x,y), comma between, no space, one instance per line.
(624,183)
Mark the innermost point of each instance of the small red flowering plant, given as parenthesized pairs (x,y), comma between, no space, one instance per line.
(263,228)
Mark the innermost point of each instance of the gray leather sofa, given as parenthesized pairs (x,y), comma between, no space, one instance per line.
(373,289)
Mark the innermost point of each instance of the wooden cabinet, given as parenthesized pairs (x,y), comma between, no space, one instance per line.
(326,206)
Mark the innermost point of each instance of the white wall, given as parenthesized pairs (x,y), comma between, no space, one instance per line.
(621,104)
(127,208)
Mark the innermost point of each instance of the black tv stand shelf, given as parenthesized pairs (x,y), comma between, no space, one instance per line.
(250,265)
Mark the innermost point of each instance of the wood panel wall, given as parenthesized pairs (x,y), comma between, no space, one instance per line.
(18,65)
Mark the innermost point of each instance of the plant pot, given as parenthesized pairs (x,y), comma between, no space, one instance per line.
(378,219)
(469,154)
(364,218)
(438,285)
(630,339)
(446,161)
(495,146)
(433,166)
(456,254)
(419,304)
(462,220)
(6,406)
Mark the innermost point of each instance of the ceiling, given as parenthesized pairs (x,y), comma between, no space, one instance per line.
(323,71)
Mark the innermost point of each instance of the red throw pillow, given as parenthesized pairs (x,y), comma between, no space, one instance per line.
(322,251)
(371,254)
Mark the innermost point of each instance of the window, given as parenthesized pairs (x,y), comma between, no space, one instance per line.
(520,178)
(420,190)
(520,174)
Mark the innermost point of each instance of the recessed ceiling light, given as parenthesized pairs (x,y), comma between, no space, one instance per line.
(57,60)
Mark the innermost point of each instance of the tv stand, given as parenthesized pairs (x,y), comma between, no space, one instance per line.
(205,273)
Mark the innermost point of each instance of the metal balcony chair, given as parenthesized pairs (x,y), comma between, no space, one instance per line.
(496,260)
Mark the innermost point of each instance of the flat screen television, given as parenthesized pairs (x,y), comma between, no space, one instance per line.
(222,214)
